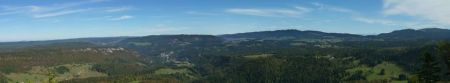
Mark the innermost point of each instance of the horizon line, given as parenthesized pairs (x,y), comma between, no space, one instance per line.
(56,39)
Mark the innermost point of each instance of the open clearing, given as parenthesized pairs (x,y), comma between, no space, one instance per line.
(39,74)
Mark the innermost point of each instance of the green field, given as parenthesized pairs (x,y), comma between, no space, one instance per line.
(383,71)
(40,74)
(258,56)
(178,71)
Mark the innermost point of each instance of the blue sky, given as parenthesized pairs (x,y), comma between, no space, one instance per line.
(24,20)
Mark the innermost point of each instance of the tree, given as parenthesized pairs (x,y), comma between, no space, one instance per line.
(402,77)
(429,72)
(51,77)
(62,70)
(381,72)
(444,54)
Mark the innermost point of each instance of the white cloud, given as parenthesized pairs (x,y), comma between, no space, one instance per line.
(120,9)
(35,8)
(293,12)
(124,17)
(59,13)
(374,21)
(435,10)
(398,24)
(302,9)
(9,10)
(334,8)
(356,16)
(39,11)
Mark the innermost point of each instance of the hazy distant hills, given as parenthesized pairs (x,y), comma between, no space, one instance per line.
(411,34)
(98,41)
(291,34)
(160,47)
(406,34)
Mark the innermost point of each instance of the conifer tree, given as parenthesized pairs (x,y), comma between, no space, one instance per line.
(429,72)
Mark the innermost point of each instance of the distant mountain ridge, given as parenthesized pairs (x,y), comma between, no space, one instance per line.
(289,34)
(405,34)
(411,34)
(97,40)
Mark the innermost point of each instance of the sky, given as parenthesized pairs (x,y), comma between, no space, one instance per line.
(27,20)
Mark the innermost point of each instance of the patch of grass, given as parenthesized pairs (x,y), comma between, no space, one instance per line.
(55,73)
(183,64)
(134,82)
(173,71)
(258,56)
(165,71)
(382,71)
(7,69)
(390,71)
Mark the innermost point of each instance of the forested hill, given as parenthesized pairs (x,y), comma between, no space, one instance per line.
(290,34)
(406,34)
(96,40)
(411,34)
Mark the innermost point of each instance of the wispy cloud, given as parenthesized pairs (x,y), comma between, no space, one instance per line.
(435,10)
(326,7)
(119,9)
(292,12)
(398,24)
(59,13)
(35,8)
(357,16)
(375,21)
(124,17)
(39,11)
(9,10)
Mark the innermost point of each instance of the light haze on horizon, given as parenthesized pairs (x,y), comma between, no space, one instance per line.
(26,20)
